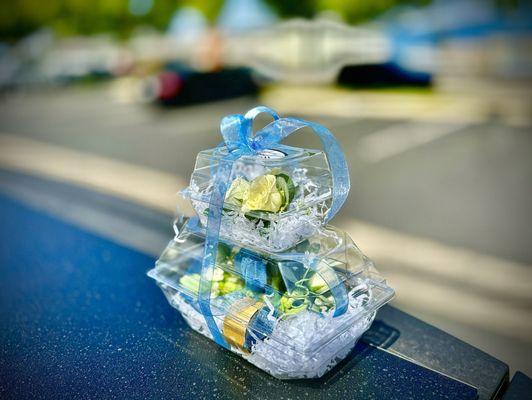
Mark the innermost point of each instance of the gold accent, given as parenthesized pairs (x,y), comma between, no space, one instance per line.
(237,320)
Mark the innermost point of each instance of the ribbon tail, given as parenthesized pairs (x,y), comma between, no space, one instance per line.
(211,245)
(252,267)
(294,269)
(335,285)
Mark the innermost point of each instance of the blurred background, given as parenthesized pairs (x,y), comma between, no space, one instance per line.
(430,100)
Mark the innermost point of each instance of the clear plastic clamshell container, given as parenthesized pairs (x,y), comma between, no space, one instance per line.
(276,198)
(297,316)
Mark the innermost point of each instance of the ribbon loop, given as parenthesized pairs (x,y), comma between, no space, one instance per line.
(237,130)
(231,129)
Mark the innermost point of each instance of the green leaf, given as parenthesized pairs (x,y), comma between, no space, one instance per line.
(293,303)
(190,282)
(302,246)
(274,276)
(256,220)
(286,186)
(223,254)
(283,189)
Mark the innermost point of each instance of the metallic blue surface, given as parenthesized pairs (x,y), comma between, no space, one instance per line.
(81,320)
(520,388)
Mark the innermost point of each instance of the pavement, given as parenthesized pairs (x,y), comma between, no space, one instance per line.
(441,205)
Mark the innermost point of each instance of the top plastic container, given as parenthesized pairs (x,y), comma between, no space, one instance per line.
(276,199)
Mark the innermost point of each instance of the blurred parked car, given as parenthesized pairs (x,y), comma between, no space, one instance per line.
(179,85)
(381,75)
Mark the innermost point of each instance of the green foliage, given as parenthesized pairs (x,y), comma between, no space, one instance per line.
(66,17)
(69,17)
(350,10)
(209,8)
(361,10)
(294,8)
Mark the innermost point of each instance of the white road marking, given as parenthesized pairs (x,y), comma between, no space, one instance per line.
(400,138)
(153,188)
(512,107)
(459,284)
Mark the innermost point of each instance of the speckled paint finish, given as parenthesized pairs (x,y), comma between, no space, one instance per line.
(436,349)
(81,320)
(520,388)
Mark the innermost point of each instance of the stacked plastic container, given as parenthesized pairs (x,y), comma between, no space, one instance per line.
(290,294)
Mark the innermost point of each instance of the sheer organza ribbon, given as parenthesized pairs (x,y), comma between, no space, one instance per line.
(237,132)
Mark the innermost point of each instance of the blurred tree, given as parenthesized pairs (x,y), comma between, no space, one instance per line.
(353,11)
(294,8)
(209,8)
(21,17)
(18,18)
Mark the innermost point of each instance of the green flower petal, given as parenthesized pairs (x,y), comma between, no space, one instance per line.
(237,192)
(263,195)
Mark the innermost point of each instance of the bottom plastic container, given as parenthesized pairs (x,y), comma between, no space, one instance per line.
(301,312)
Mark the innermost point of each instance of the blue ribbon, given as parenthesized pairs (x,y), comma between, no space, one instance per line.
(237,132)
(328,274)
(252,267)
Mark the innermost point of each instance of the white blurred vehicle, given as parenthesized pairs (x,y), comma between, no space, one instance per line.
(306,51)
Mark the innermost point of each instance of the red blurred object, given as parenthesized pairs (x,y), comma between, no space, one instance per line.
(170,84)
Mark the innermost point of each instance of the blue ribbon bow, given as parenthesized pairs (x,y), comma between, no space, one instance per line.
(237,132)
